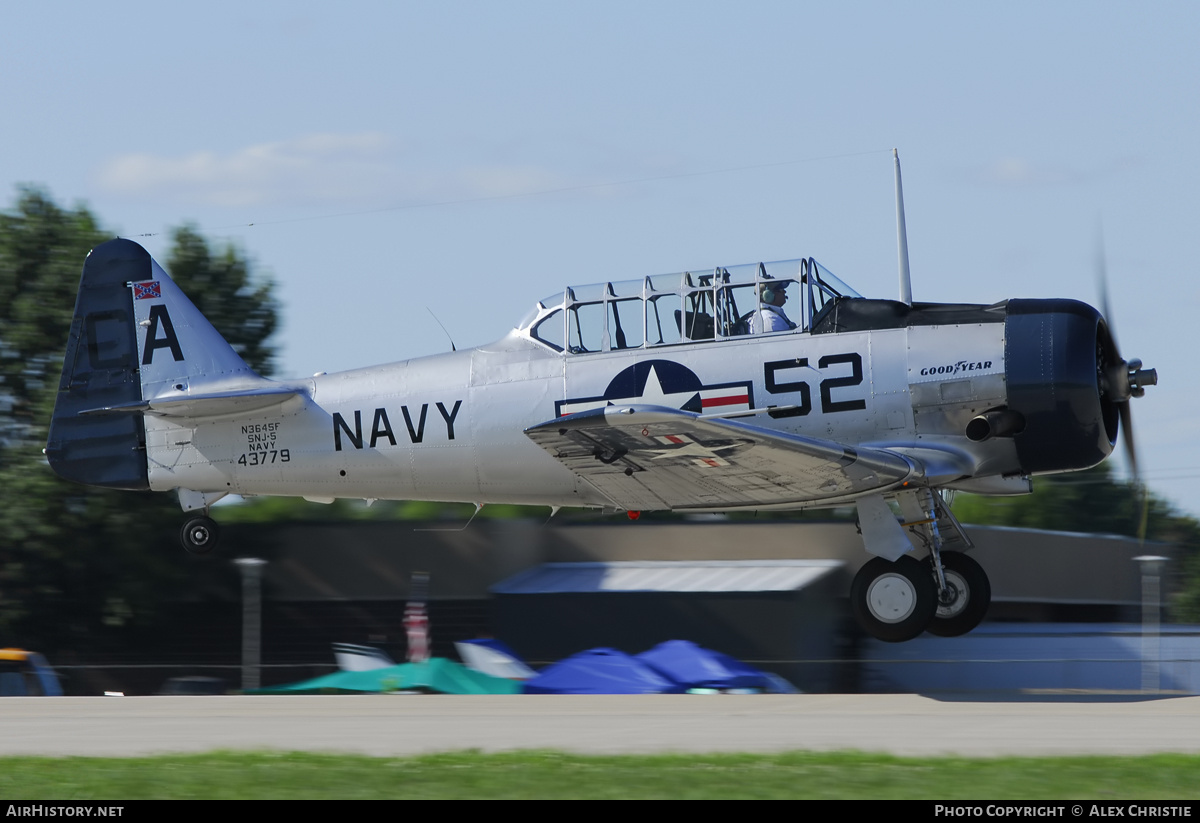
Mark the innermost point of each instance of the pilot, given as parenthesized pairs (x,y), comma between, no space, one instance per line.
(770,316)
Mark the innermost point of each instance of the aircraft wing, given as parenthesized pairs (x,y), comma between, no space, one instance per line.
(650,458)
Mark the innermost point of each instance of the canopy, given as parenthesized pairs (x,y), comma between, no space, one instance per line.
(435,675)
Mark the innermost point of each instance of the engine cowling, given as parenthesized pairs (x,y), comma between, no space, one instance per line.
(1056,354)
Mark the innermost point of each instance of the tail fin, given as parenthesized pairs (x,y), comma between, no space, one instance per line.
(135,339)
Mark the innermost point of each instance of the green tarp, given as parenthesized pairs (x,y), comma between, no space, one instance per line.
(436,675)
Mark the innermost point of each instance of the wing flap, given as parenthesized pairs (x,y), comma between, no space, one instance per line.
(649,457)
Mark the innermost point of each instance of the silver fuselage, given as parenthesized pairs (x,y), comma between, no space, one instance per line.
(449,427)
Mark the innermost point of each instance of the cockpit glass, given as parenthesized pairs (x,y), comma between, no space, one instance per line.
(625,323)
(589,293)
(784,270)
(663,315)
(585,328)
(550,330)
(667,309)
(664,282)
(740,274)
(832,283)
(529,317)
(627,288)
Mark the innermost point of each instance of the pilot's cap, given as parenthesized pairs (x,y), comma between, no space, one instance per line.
(767,289)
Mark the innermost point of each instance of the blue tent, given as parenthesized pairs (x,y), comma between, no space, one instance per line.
(695,667)
(599,671)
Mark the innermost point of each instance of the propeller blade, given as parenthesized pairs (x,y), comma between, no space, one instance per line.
(1102,287)
(1129,380)
(1127,438)
(1115,383)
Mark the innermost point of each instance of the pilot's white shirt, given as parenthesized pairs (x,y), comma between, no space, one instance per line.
(769,318)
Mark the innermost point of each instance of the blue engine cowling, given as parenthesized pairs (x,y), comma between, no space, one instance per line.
(1055,353)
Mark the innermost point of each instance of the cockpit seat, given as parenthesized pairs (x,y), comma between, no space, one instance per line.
(696,325)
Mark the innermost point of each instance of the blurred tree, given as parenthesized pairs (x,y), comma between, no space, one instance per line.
(85,569)
(1086,501)
(1093,502)
(42,248)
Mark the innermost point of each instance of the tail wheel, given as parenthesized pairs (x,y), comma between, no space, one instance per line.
(893,601)
(200,535)
(963,603)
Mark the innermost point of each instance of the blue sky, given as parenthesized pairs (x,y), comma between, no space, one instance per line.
(472,157)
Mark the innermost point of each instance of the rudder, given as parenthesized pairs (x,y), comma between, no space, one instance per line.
(100,369)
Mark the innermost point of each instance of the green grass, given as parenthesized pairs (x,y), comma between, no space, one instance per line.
(548,774)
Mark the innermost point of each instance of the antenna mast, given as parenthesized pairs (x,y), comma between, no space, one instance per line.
(902,237)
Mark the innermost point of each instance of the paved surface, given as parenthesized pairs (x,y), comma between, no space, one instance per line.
(412,724)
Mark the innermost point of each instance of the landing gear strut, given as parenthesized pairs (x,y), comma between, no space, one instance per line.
(964,600)
(200,535)
(947,594)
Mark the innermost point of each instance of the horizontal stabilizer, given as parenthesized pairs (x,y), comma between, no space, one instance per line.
(210,404)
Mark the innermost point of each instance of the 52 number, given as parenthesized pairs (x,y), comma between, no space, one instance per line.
(803,403)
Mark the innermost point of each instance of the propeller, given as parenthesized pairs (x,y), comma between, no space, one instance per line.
(1120,381)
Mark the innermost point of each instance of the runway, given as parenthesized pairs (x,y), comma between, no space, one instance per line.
(398,725)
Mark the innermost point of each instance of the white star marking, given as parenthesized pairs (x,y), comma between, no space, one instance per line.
(692,449)
(653,394)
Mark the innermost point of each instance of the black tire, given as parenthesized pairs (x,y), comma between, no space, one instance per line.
(968,594)
(893,602)
(200,535)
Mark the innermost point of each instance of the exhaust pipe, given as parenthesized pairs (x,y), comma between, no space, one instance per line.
(995,423)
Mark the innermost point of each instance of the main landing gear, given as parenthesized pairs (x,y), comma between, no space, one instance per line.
(897,601)
(964,600)
(893,601)
(946,594)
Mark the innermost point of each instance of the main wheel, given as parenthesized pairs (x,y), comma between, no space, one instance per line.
(964,602)
(893,601)
(200,535)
